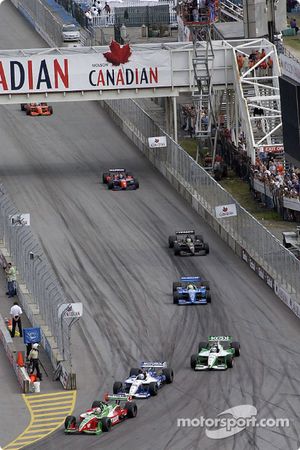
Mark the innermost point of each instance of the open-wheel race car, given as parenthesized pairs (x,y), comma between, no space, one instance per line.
(120,179)
(145,381)
(191,291)
(37,109)
(187,242)
(102,415)
(216,354)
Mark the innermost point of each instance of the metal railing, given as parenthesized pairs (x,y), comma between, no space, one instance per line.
(35,271)
(260,244)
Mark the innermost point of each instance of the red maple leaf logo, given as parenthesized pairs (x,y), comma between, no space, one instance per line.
(225,209)
(118,55)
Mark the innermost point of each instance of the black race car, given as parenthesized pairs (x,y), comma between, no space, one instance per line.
(188,243)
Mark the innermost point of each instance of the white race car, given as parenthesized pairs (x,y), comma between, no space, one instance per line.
(145,381)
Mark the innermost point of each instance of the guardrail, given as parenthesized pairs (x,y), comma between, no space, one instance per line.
(243,232)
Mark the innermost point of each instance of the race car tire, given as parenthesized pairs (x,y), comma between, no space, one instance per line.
(176,285)
(106,424)
(96,404)
(202,345)
(199,237)
(206,248)
(136,183)
(205,284)
(28,112)
(104,177)
(208,297)
(23,106)
(177,249)
(169,374)
(129,174)
(194,361)
(50,109)
(229,362)
(70,420)
(153,389)
(110,185)
(117,387)
(236,346)
(172,239)
(176,297)
(134,372)
(131,409)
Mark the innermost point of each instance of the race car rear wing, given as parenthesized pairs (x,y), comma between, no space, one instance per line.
(119,397)
(156,364)
(219,338)
(190,279)
(117,170)
(185,232)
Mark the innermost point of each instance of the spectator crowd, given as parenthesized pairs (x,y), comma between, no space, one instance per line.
(97,10)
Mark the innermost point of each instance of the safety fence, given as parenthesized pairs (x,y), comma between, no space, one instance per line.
(38,286)
(256,241)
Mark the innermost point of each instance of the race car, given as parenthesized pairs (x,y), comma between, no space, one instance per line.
(191,291)
(216,354)
(120,180)
(102,415)
(188,243)
(37,109)
(145,381)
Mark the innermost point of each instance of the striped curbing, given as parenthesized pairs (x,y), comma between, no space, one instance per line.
(47,414)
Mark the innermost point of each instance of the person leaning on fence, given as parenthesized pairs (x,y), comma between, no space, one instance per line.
(11,280)
(34,361)
(16,312)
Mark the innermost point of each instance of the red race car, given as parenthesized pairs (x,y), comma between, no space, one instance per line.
(37,109)
(120,180)
(103,415)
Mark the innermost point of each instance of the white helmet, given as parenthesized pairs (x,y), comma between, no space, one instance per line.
(35,346)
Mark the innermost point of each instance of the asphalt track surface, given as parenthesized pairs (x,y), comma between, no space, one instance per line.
(110,252)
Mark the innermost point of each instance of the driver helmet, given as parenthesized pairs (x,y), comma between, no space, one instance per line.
(188,238)
(190,286)
(214,349)
(98,410)
(121,175)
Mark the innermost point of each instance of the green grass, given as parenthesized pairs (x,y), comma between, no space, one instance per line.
(236,187)
(240,191)
(292,41)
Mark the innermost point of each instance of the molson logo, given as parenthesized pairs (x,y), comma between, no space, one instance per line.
(120,76)
(34,76)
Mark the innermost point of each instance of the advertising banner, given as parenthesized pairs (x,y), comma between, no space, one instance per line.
(223,211)
(120,67)
(159,141)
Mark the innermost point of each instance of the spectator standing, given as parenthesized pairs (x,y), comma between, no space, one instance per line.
(16,312)
(107,8)
(293,24)
(34,359)
(11,280)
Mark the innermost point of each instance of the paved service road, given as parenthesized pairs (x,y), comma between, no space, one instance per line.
(110,251)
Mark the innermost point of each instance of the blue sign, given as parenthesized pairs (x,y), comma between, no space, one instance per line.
(31,335)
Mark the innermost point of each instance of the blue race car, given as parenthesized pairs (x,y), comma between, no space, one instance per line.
(191,291)
(145,381)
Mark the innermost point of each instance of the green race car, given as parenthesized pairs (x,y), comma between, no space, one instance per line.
(102,415)
(218,354)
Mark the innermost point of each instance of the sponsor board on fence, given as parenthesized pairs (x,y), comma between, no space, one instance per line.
(157,142)
(258,269)
(20,219)
(224,211)
(289,67)
(70,310)
(287,299)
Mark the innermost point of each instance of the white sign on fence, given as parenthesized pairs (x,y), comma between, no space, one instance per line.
(70,310)
(158,141)
(223,211)
(20,219)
